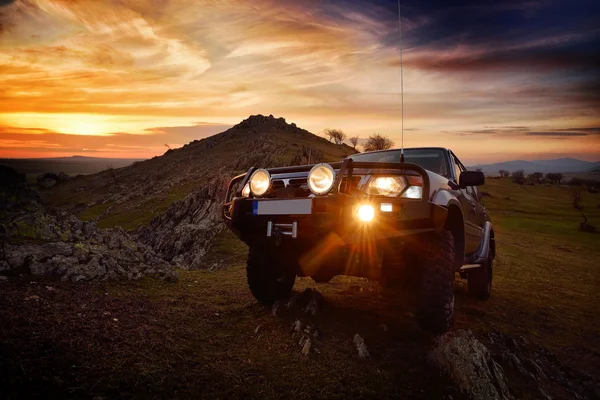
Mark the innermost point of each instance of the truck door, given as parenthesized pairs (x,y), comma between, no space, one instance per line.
(471,212)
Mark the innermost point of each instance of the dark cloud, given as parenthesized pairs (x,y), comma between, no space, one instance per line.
(528,131)
(536,59)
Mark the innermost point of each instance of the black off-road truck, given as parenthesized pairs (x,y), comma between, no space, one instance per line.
(411,222)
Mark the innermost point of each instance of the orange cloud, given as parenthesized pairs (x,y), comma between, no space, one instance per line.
(97,67)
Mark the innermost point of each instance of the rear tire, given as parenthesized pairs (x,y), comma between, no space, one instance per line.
(479,281)
(268,280)
(435,300)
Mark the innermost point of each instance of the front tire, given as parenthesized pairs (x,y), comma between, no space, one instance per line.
(268,280)
(435,300)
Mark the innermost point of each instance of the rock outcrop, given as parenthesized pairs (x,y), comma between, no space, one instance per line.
(39,243)
(183,233)
(470,365)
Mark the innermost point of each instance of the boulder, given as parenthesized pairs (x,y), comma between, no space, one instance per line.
(470,365)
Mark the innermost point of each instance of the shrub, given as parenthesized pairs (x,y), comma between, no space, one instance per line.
(554,177)
(519,177)
(536,177)
(378,142)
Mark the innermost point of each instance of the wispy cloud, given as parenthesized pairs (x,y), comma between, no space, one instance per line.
(99,67)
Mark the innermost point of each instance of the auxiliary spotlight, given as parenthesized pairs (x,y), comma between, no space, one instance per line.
(365,212)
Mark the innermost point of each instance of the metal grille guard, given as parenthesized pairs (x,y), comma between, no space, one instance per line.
(346,168)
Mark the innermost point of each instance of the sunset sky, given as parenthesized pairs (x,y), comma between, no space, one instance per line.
(121,78)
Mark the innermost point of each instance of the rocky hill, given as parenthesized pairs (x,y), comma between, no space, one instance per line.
(171,202)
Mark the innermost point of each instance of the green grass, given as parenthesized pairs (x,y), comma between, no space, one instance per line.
(546,275)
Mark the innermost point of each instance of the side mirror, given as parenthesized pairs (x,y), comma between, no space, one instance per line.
(471,178)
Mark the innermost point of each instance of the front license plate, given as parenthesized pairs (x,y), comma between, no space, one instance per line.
(282,207)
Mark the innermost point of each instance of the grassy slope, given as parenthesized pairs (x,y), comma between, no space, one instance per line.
(196,337)
(546,273)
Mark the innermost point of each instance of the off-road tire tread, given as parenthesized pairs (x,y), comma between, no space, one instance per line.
(262,278)
(435,299)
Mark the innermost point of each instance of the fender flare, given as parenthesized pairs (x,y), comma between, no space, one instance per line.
(485,246)
(444,198)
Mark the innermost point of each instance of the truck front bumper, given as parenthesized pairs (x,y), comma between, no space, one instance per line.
(333,214)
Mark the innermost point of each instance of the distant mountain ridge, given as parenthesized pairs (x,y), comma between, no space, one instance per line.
(564,165)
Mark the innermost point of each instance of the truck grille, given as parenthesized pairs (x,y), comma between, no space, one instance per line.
(298,187)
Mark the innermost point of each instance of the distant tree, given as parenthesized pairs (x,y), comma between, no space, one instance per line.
(501,172)
(335,135)
(354,141)
(378,142)
(506,174)
(339,136)
(536,177)
(519,177)
(554,177)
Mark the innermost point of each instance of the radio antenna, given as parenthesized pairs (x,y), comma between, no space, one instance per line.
(401,86)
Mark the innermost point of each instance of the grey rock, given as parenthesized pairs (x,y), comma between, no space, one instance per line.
(306,347)
(275,308)
(361,347)
(316,302)
(297,326)
(470,365)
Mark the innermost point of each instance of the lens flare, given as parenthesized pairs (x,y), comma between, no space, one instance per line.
(365,212)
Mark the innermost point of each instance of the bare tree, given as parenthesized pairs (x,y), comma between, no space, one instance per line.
(577,196)
(329,133)
(167,146)
(337,135)
(354,141)
(378,142)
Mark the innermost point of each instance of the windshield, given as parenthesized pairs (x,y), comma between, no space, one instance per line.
(433,160)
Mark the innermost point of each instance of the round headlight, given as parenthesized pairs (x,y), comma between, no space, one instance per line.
(260,182)
(320,178)
(390,186)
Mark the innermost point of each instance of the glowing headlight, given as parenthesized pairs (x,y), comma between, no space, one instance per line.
(246,190)
(320,178)
(390,186)
(365,212)
(413,192)
(260,182)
